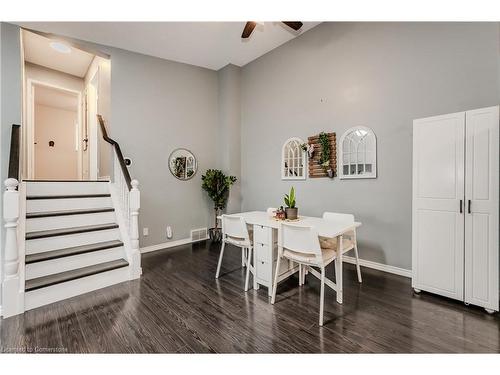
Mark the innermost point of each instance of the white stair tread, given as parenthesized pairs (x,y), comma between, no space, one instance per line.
(45,281)
(70,251)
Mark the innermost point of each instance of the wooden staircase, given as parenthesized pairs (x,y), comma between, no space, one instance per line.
(74,249)
(66,238)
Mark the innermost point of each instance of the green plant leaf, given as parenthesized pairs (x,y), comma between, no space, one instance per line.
(290,198)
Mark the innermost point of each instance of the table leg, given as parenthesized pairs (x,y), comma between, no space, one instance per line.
(255,284)
(338,276)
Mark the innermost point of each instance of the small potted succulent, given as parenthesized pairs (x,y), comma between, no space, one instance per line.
(291,211)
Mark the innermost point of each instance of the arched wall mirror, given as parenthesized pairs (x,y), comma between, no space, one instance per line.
(358,153)
(293,160)
(182,164)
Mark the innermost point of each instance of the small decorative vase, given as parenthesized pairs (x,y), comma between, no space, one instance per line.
(330,173)
(291,213)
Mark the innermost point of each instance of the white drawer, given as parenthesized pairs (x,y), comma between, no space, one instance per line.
(261,234)
(264,252)
(264,271)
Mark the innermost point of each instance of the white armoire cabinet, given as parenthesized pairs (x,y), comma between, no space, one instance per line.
(455,206)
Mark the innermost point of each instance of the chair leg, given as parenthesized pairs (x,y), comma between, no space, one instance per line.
(275,284)
(243,250)
(248,268)
(358,268)
(300,274)
(220,259)
(322,296)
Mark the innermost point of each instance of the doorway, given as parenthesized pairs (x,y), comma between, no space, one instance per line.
(65,88)
(55,118)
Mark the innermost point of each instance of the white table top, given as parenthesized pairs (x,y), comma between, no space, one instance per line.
(325,228)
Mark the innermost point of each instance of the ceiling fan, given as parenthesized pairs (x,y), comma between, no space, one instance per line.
(296,25)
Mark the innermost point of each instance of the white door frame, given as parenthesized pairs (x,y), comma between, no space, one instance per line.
(29,141)
(93,126)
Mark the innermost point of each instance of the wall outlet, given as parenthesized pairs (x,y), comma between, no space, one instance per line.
(169,232)
(145,232)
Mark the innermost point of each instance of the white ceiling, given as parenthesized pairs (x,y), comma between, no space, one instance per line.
(52,97)
(37,50)
(211,45)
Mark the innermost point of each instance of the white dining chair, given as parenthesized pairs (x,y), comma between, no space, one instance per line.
(301,245)
(349,241)
(236,232)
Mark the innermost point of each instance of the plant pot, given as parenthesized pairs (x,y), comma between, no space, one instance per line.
(215,234)
(291,213)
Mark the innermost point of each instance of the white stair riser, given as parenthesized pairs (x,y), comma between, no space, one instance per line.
(50,267)
(45,205)
(66,188)
(69,221)
(58,292)
(40,245)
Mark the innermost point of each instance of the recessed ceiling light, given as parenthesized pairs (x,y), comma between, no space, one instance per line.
(60,47)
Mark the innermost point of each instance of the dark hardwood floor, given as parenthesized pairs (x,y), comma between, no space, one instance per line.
(178,307)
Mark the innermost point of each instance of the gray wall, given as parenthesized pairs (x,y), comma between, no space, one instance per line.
(381,75)
(10,103)
(157,106)
(331,78)
(229,131)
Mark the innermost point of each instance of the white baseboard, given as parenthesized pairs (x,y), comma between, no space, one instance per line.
(379,266)
(167,245)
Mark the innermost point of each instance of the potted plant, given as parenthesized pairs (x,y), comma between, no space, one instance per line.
(324,159)
(217,185)
(291,211)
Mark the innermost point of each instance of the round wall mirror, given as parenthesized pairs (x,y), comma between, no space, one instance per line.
(182,164)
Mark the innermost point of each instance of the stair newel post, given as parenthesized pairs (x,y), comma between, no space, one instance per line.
(134,206)
(12,299)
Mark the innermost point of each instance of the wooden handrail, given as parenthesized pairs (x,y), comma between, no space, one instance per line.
(119,154)
(15,146)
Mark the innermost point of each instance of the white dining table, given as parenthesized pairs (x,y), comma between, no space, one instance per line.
(325,228)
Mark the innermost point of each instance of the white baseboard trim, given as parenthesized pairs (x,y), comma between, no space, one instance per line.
(166,245)
(379,266)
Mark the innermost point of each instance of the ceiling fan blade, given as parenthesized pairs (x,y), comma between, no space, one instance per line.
(248,29)
(296,25)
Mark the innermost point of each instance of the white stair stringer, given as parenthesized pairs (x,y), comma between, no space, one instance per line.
(58,292)
(44,205)
(48,188)
(134,258)
(59,242)
(49,267)
(69,221)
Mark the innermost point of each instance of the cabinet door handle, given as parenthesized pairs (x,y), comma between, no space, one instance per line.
(468,203)
(461,206)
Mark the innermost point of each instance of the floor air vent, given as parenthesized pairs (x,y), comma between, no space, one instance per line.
(199,234)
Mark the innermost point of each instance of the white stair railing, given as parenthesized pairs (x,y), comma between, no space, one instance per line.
(12,285)
(127,199)
(12,273)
